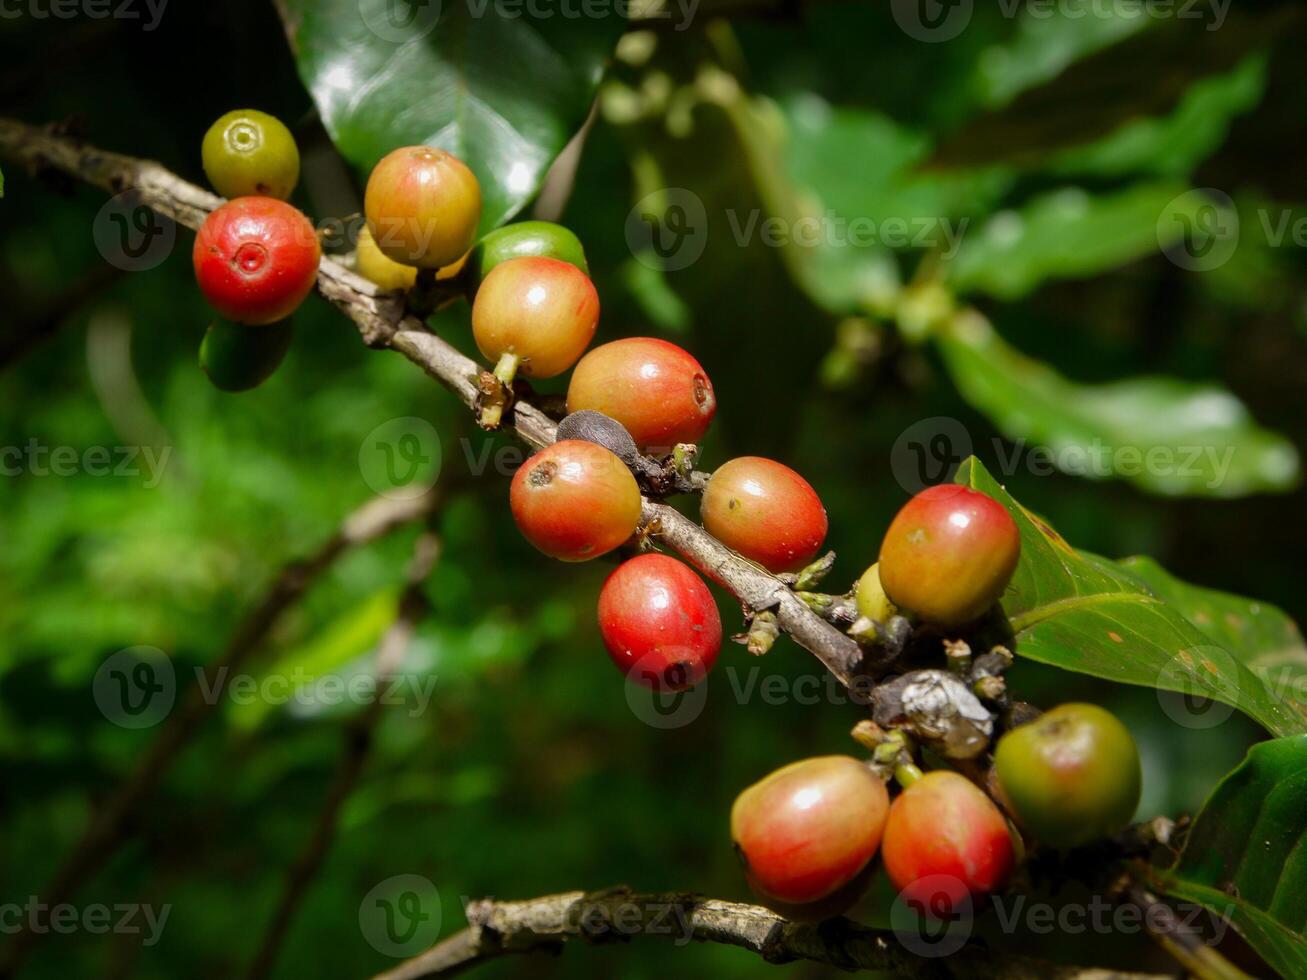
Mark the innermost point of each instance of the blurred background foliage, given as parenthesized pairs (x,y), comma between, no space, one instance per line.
(1061,140)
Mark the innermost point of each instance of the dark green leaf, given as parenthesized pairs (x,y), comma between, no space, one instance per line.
(504,94)
(1246,859)
(1163,435)
(1084,613)
(1099,93)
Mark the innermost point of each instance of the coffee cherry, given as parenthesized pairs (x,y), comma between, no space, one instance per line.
(807,830)
(1071,775)
(871,598)
(949,554)
(526,238)
(600,429)
(656,389)
(422,206)
(575,500)
(766,512)
(250,152)
(659,623)
(534,315)
(256,258)
(237,357)
(375,266)
(945,842)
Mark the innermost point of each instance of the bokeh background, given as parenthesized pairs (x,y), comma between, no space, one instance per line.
(1062,140)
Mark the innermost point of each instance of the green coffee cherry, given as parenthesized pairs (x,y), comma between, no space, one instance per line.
(1071,776)
(250,152)
(872,600)
(237,357)
(519,240)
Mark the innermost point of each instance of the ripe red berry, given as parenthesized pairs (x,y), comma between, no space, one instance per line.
(766,512)
(423,206)
(949,554)
(945,842)
(659,622)
(808,829)
(1071,775)
(656,389)
(575,500)
(256,258)
(536,314)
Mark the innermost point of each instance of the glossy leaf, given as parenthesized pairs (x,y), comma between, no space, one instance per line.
(1070,233)
(1164,435)
(1246,856)
(503,93)
(1080,612)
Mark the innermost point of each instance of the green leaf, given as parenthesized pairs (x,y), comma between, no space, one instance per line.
(1164,435)
(1087,614)
(1099,93)
(1246,856)
(1259,634)
(1070,233)
(504,94)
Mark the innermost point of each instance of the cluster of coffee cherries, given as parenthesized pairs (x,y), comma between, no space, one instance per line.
(809,832)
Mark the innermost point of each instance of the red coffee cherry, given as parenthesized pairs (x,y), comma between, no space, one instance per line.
(949,554)
(808,829)
(256,258)
(422,205)
(656,389)
(659,623)
(945,842)
(575,500)
(766,512)
(1071,776)
(535,315)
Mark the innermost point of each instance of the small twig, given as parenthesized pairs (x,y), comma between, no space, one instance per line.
(616,915)
(110,823)
(1186,946)
(358,744)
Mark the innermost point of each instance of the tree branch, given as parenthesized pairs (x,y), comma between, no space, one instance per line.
(617,915)
(383,322)
(358,745)
(110,823)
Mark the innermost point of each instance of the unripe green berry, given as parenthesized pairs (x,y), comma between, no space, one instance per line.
(520,240)
(237,357)
(1071,776)
(250,152)
(872,600)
